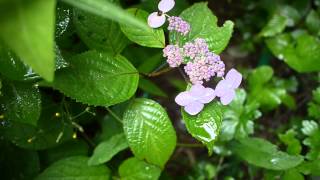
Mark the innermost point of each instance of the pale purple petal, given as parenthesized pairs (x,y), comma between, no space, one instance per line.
(193,108)
(166,5)
(155,21)
(222,87)
(234,78)
(184,98)
(228,96)
(208,96)
(197,90)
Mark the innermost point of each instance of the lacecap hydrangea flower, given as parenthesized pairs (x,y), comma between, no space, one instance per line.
(179,25)
(174,55)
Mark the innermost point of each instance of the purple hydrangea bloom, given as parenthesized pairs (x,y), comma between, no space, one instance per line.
(203,64)
(179,25)
(173,54)
(226,88)
(194,99)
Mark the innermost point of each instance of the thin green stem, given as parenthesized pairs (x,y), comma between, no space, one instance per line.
(114,115)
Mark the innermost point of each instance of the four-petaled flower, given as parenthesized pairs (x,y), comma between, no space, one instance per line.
(194,99)
(225,89)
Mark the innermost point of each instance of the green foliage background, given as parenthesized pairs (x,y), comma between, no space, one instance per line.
(85,92)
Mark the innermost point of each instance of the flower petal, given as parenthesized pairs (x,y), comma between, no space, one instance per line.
(197,90)
(222,87)
(184,98)
(166,5)
(155,21)
(193,108)
(208,96)
(228,96)
(234,78)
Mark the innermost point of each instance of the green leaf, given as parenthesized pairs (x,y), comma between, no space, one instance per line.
(28,29)
(98,79)
(277,44)
(98,33)
(262,153)
(205,126)
(135,169)
(21,102)
(150,63)
(310,168)
(108,10)
(293,144)
(109,127)
(275,25)
(260,76)
(149,38)
(150,87)
(312,131)
(313,22)
(204,25)
(67,149)
(238,118)
(75,167)
(107,149)
(52,129)
(292,174)
(16,163)
(314,105)
(149,131)
(307,48)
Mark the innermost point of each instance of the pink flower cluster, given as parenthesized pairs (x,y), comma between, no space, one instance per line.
(202,64)
(179,25)
(173,54)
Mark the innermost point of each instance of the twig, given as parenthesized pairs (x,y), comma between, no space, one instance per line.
(158,73)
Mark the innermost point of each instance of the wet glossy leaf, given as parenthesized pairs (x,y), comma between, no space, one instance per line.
(75,167)
(277,44)
(150,87)
(52,129)
(18,164)
(73,147)
(204,25)
(206,125)
(262,153)
(99,33)
(107,10)
(276,25)
(135,169)
(21,103)
(107,149)
(149,38)
(35,44)
(98,79)
(149,131)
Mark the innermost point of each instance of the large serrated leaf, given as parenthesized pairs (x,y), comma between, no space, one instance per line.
(135,169)
(107,149)
(21,103)
(276,25)
(206,125)
(150,38)
(262,153)
(204,25)
(74,168)
(149,131)
(99,33)
(99,79)
(108,10)
(28,29)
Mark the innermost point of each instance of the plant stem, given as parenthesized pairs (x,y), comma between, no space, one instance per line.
(114,115)
(158,73)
